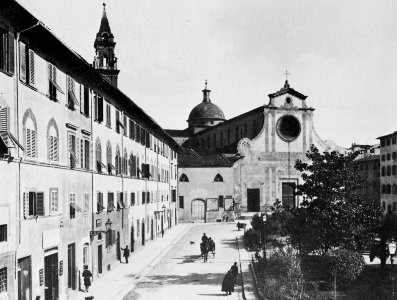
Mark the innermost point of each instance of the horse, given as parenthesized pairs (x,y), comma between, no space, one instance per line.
(204,251)
(211,246)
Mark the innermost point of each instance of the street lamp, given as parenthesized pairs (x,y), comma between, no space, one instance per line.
(392,251)
(108,226)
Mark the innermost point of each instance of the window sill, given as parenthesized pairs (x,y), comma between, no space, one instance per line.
(28,85)
(7,73)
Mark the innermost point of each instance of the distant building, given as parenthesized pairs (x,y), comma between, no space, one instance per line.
(388,172)
(83,169)
(254,154)
(368,160)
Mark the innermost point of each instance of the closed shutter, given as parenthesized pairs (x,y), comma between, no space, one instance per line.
(87,154)
(51,145)
(55,151)
(86,97)
(31,68)
(77,149)
(82,156)
(96,107)
(40,204)
(4,125)
(22,62)
(11,59)
(143,197)
(25,205)
(100,109)
(28,142)
(33,136)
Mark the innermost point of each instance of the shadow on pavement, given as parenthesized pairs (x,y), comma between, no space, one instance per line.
(192,278)
(231,243)
(189,259)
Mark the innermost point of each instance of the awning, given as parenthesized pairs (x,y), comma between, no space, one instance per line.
(9,140)
(76,207)
(74,98)
(57,86)
(73,155)
(120,202)
(101,164)
(100,204)
(112,167)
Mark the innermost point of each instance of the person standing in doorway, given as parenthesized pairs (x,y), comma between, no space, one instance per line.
(87,278)
(126,253)
(162,232)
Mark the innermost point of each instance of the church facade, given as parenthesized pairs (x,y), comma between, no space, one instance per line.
(256,152)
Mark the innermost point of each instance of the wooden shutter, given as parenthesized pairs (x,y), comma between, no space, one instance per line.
(55,150)
(100,109)
(25,205)
(5,125)
(31,68)
(82,155)
(33,136)
(22,62)
(86,154)
(11,59)
(86,97)
(40,204)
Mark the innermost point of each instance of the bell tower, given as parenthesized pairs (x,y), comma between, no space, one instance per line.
(105,62)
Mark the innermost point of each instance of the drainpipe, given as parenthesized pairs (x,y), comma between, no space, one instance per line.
(16,99)
(92,180)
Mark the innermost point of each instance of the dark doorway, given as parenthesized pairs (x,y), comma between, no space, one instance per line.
(162,224)
(99,259)
(51,277)
(132,239)
(24,278)
(253,200)
(72,266)
(143,233)
(288,194)
(151,230)
(118,249)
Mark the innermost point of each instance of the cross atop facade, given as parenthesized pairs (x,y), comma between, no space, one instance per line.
(206,84)
(286,74)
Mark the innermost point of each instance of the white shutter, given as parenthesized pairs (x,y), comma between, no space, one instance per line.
(5,125)
(22,62)
(82,153)
(31,68)
(28,145)
(33,136)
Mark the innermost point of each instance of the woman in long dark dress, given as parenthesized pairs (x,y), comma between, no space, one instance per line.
(228,284)
(87,278)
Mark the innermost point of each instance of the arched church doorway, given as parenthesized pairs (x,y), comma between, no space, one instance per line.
(198,210)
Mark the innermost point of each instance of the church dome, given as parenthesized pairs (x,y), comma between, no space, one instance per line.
(205,112)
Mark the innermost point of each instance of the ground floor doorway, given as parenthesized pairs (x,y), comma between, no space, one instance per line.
(51,289)
(25,278)
(288,194)
(253,200)
(198,210)
(72,266)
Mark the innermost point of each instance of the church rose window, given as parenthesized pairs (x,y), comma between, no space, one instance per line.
(288,128)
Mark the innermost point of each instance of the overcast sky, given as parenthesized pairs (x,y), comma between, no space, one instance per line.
(341,54)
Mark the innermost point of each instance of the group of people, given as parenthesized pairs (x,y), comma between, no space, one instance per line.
(230,280)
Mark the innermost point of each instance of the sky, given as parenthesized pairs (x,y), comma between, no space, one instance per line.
(341,54)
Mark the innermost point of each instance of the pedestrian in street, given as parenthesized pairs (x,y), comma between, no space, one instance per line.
(227,283)
(162,232)
(234,270)
(87,275)
(204,238)
(126,253)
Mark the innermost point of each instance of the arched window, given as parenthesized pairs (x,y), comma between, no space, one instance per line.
(109,157)
(98,155)
(218,178)
(53,141)
(30,134)
(183,178)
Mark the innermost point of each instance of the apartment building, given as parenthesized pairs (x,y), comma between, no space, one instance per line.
(388,172)
(84,170)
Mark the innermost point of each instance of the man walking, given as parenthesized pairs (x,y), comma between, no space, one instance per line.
(126,253)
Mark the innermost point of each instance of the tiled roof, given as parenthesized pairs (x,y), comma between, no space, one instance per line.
(189,158)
